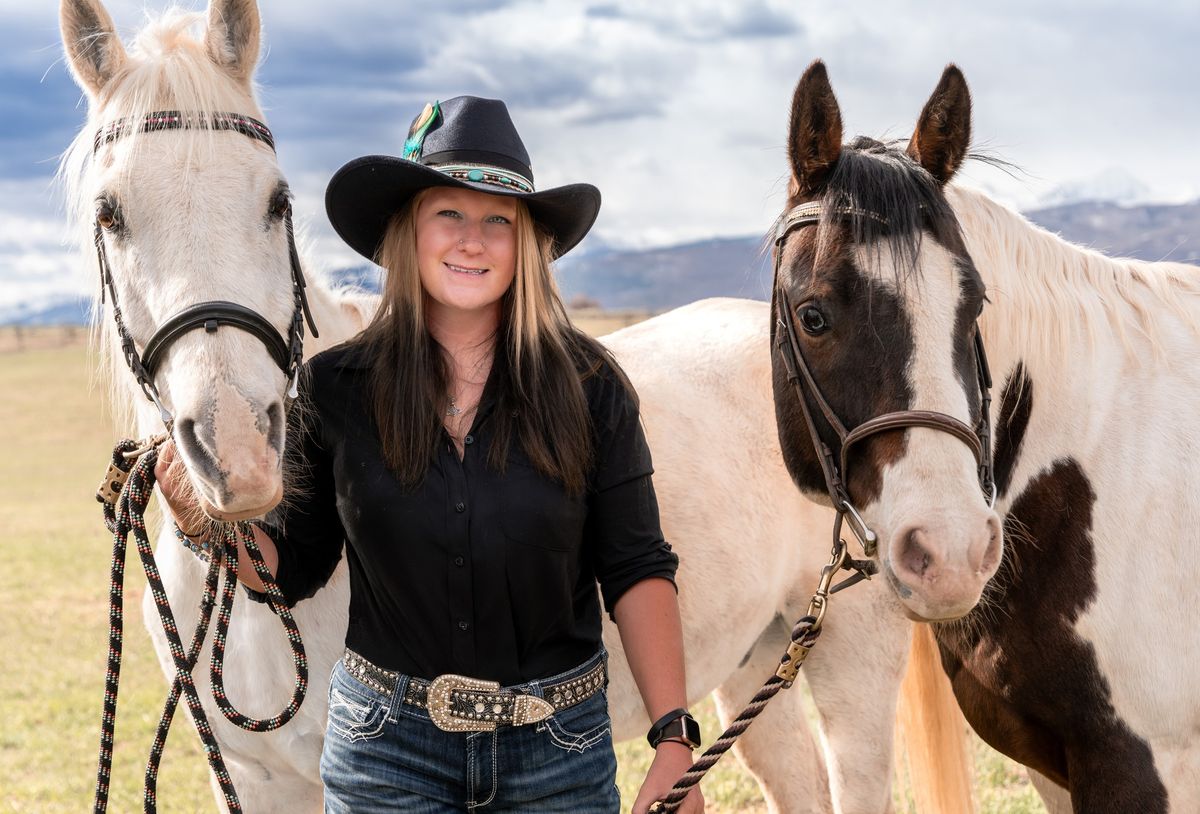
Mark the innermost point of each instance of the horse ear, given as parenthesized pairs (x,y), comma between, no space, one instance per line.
(943,134)
(814,131)
(94,50)
(234,29)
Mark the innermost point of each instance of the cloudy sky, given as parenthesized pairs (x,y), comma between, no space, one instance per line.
(676,109)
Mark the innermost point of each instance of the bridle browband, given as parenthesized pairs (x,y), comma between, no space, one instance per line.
(979,439)
(288,353)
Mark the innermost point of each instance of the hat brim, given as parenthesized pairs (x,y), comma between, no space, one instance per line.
(364,194)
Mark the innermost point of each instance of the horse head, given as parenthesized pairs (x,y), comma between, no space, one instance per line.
(880,381)
(185,218)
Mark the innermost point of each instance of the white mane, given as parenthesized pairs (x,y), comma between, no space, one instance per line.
(1050,287)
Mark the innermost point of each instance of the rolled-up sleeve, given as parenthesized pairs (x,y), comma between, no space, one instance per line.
(622,531)
(306,528)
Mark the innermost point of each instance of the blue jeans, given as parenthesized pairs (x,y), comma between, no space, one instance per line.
(382,755)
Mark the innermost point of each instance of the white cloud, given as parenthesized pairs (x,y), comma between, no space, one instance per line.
(678,110)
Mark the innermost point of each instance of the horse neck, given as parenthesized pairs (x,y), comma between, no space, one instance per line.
(1076,321)
(1054,303)
(340,313)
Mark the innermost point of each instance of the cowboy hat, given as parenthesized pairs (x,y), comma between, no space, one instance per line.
(465,142)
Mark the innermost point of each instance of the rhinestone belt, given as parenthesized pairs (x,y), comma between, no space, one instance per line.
(460,704)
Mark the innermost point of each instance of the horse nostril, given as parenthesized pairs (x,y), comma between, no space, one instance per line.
(194,452)
(992,551)
(913,556)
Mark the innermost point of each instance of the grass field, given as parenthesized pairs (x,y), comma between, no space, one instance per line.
(53,623)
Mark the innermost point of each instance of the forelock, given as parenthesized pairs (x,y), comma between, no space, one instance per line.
(888,201)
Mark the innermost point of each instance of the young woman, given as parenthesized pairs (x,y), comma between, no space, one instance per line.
(483,464)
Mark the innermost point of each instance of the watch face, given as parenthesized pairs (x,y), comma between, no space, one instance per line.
(691,730)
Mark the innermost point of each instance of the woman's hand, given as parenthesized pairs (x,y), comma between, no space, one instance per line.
(176,493)
(671,760)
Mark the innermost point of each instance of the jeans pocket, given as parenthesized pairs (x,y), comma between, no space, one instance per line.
(355,719)
(579,728)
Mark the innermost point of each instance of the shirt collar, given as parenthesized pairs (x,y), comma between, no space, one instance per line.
(352,356)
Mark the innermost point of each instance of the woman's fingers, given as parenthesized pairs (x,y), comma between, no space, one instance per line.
(172,482)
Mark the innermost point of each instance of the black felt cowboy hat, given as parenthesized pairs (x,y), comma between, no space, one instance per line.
(464,142)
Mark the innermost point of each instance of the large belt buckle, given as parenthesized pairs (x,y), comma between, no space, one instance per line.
(527,709)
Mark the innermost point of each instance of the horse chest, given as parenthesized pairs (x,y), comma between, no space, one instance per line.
(1026,680)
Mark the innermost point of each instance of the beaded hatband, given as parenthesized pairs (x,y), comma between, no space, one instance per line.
(486,174)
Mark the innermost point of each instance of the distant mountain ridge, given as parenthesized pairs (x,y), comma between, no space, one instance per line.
(660,279)
(663,278)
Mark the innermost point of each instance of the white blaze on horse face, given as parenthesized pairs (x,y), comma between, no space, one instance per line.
(196,227)
(940,541)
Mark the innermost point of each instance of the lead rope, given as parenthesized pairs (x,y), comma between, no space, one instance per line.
(804,635)
(124,494)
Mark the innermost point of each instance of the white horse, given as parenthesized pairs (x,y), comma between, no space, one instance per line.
(1080,661)
(192,215)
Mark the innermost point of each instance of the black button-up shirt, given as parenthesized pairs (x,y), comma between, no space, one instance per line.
(472,572)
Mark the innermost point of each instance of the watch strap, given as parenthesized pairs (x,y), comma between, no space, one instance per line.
(678,725)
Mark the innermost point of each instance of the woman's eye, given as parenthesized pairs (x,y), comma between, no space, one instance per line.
(499,219)
(812,320)
(449,213)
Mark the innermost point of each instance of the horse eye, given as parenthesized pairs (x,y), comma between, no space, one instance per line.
(281,204)
(812,320)
(107,215)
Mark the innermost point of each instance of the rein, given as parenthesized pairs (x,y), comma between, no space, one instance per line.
(129,482)
(808,628)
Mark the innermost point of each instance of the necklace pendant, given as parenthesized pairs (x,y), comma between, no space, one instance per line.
(453,409)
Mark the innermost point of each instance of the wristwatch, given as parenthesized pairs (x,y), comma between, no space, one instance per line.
(678,724)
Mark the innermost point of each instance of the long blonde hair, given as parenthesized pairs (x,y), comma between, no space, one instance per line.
(540,400)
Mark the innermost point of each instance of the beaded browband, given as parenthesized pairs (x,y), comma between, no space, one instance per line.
(178,120)
(811,212)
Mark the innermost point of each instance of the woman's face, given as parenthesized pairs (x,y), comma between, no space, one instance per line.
(466,247)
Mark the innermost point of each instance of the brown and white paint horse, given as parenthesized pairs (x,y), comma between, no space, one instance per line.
(192,215)
(1079,660)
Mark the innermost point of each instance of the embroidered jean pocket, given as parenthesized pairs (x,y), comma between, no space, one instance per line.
(581,727)
(354,719)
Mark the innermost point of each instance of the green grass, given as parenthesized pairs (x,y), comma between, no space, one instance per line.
(54,560)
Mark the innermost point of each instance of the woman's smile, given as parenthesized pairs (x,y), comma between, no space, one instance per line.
(475,272)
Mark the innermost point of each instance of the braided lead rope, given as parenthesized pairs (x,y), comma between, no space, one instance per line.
(134,498)
(803,635)
(208,601)
(125,493)
(119,468)
(278,605)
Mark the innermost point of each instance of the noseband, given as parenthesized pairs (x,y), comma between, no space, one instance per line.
(287,353)
(979,439)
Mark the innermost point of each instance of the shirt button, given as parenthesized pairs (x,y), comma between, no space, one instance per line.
(470,439)
(463,625)
(460,507)
(459,561)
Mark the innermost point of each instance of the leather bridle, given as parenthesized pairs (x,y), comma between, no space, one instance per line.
(288,352)
(808,393)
